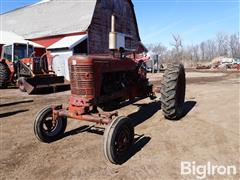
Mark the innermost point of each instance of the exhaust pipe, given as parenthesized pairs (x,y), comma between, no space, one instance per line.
(113,35)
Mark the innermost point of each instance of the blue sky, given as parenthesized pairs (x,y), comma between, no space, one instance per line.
(193,20)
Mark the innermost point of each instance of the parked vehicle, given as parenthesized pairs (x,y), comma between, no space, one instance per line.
(99,81)
(236,61)
(27,68)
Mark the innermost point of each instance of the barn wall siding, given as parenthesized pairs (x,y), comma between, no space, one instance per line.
(101,25)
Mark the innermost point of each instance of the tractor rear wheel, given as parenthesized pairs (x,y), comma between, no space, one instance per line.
(173,91)
(4,75)
(118,139)
(45,129)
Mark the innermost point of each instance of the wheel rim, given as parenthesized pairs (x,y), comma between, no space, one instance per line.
(122,141)
(49,127)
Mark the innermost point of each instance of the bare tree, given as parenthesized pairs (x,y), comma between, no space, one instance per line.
(234,45)
(196,52)
(150,46)
(222,44)
(203,50)
(210,49)
(177,44)
(188,53)
(159,49)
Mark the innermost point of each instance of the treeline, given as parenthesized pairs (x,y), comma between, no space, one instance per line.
(222,45)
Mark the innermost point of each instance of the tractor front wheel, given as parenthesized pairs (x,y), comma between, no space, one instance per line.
(118,139)
(173,91)
(47,130)
(4,75)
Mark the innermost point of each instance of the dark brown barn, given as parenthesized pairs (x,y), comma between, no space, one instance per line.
(100,26)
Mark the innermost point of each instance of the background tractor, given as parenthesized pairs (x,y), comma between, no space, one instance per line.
(103,80)
(28,68)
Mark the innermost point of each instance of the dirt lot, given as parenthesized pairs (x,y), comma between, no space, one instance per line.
(208,133)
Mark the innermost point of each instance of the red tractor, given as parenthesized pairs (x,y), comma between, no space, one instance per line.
(99,81)
(28,68)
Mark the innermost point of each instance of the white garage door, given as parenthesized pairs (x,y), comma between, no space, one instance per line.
(60,63)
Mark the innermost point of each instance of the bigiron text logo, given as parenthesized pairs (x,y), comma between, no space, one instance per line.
(206,170)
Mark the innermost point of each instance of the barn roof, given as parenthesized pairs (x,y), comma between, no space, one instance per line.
(49,17)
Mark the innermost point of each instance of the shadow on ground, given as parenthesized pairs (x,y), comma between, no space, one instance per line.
(139,142)
(187,107)
(15,103)
(7,114)
(145,111)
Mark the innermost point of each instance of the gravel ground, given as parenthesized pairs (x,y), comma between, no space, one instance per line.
(208,133)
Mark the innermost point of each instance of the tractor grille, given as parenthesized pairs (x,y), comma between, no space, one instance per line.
(82,80)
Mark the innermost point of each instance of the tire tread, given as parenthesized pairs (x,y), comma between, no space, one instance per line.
(169,90)
(4,75)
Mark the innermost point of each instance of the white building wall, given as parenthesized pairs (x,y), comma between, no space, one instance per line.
(60,62)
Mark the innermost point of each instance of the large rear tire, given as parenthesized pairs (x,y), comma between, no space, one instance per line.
(4,75)
(173,91)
